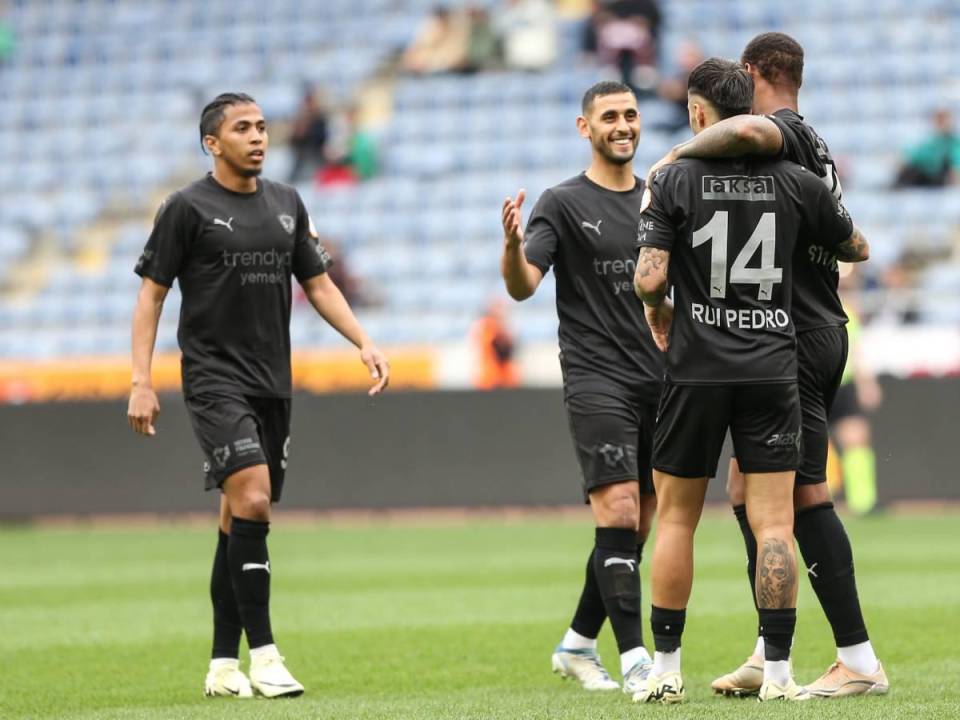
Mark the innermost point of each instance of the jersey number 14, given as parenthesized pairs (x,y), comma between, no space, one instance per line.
(764,236)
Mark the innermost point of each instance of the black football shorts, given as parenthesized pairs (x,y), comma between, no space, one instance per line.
(821,357)
(237,431)
(763,419)
(613,438)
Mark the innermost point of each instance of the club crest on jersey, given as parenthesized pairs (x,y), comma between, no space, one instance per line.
(221,455)
(288,223)
(738,187)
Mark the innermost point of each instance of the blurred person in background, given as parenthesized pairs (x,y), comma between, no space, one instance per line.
(8,42)
(440,45)
(483,45)
(528,32)
(859,394)
(232,242)
(673,89)
(934,162)
(309,133)
(584,229)
(623,34)
(352,153)
(494,349)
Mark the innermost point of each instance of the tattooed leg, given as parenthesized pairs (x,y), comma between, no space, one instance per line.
(776,574)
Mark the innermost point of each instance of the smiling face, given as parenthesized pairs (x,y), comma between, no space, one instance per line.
(241,141)
(612,124)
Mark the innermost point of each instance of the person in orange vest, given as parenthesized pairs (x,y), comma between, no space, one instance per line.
(495,348)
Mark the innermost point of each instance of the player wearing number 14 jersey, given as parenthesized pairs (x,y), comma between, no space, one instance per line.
(775,62)
(724,232)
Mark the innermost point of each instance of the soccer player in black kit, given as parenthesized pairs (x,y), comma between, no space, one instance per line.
(775,62)
(585,229)
(724,233)
(232,240)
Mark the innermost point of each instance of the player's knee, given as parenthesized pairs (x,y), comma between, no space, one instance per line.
(619,509)
(253,504)
(806,496)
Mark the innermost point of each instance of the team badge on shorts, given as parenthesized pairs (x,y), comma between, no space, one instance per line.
(288,223)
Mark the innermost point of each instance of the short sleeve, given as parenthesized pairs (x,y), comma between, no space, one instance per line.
(310,258)
(791,141)
(832,224)
(658,221)
(540,239)
(167,245)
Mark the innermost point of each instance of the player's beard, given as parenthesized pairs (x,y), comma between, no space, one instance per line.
(605,148)
(245,170)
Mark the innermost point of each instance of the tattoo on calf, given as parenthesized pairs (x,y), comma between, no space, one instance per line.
(776,576)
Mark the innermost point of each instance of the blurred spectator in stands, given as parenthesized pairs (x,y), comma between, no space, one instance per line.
(528,33)
(352,287)
(494,348)
(483,46)
(935,162)
(309,132)
(674,88)
(353,156)
(623,34)
(898,283)
(440,45)
(8,42)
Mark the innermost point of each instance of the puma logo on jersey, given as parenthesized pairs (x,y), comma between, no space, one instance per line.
(596,228)
(629,562)
(226,223)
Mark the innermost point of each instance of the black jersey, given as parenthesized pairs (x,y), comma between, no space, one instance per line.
(731,227)
(816,302)
(587,234)
(233,254)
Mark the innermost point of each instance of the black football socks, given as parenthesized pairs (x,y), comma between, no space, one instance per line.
(615,564)
(829,559)
(250,572)
(227,626)
(667,628)
(590,613)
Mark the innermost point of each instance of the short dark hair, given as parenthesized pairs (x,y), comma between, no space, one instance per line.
(777,57)
(725,84)
(213,113)
(604,87)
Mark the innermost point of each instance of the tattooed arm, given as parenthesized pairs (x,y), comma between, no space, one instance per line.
(733,137)
(650,278)
(650,284)
(854,250)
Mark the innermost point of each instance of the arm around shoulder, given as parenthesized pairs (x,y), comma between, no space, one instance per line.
(733,137)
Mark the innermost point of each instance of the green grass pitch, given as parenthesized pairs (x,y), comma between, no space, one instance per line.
(436,620)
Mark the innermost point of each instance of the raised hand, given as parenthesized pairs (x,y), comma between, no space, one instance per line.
(512,219)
